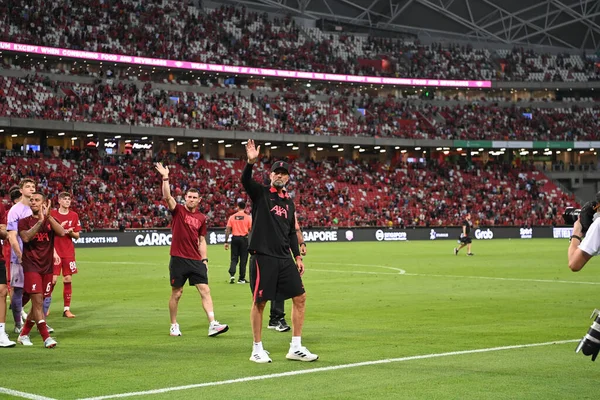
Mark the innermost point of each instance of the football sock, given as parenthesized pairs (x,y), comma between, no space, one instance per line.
(67,292)
(257,347)
(43,329)
(16,303)
(296,341)
(2,328)
(27,328)
(47,302)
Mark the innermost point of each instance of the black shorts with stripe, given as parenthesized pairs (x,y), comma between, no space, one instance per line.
(273,278)
(183,269)
(466,239)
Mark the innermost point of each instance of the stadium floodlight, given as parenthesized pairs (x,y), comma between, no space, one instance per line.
(403,151)
(245,142)
(311,145)
(357,146)
(546,149)
(502,149)
(74,138)
(397,147)
(61,134)
(14,135)
(90,135)
(446,148)
(417,148)
(295,148)
(377,147)
(592,149)
(438,149)
(228,145)
(582,151)
(535,152)
(480,149)
(221,141)
(341,149)
(335,146)
(446,152)
(557,151)
(144,137)
(195,140)
(118,137)
(289,144)
(179,143)
(29,132)
(459,149)
(170,139)
(128,141)
(569,149)
(361,150)
(273,147)
(1,130)
(268,144)
(319,148)
(382,151)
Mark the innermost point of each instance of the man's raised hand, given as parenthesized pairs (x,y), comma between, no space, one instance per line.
(252,151)
(164,171)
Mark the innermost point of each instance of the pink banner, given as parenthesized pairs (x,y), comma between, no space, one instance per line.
(230,69)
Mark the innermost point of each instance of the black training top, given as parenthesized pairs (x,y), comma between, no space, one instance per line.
(273,219)
(468,225)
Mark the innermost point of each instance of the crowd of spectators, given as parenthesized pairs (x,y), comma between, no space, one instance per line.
(236,36)
(113,192)
(38,97)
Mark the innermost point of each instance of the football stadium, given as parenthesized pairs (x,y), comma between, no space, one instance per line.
(304,199)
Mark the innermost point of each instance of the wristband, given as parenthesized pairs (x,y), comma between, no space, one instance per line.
(302,244)
(204,260)
(575,237)
(165,179)
(299,258)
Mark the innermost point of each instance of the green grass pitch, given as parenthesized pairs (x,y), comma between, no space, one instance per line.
(366,302)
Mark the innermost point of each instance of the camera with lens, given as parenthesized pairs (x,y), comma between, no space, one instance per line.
(590,344)
(585,214)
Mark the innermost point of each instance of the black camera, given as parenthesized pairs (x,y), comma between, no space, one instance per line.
(590,344)
(571,214)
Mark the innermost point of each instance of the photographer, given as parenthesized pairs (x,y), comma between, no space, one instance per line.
(582,249)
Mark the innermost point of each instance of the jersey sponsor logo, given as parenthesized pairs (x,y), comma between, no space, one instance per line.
(191,221)
(279,211)
(154,239)
(526,233)
(380,235)
(42,237)
(320,236)
(484,234)
(239,217)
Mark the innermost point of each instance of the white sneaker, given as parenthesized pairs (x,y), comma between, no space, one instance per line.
(215,328)
(50,343)
(24,340)
(5,341)
(262,357)
(50,329)
(301,354)
(17,330)
(175,330)
(23,314)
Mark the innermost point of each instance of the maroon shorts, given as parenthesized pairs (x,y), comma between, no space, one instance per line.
(67,266)
(38,283)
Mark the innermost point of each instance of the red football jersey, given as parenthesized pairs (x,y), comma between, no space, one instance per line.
(38,254)
(64,244)
(187,227)
(5,242)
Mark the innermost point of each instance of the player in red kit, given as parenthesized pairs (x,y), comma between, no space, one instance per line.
(189,259)
(37,233)
(65,249)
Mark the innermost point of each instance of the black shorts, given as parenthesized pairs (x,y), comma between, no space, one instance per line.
(274,278)
(182,269)
(2,272)
(465,240)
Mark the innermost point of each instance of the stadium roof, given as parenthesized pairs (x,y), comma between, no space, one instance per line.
(560,23)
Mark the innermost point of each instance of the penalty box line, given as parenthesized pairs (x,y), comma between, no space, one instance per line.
(323,369)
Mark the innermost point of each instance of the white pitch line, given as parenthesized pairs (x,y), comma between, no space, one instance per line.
(325,369)
(16,393)
(400,272)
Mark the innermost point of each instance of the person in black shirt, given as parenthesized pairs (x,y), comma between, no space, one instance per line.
(465,239)
(273,273)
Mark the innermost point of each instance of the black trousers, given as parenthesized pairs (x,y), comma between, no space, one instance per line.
(239,250)
(277,311)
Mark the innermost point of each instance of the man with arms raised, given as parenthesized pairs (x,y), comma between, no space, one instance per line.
(65,249)
(188,254)
(273,273)
(37,233)
(18,212)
